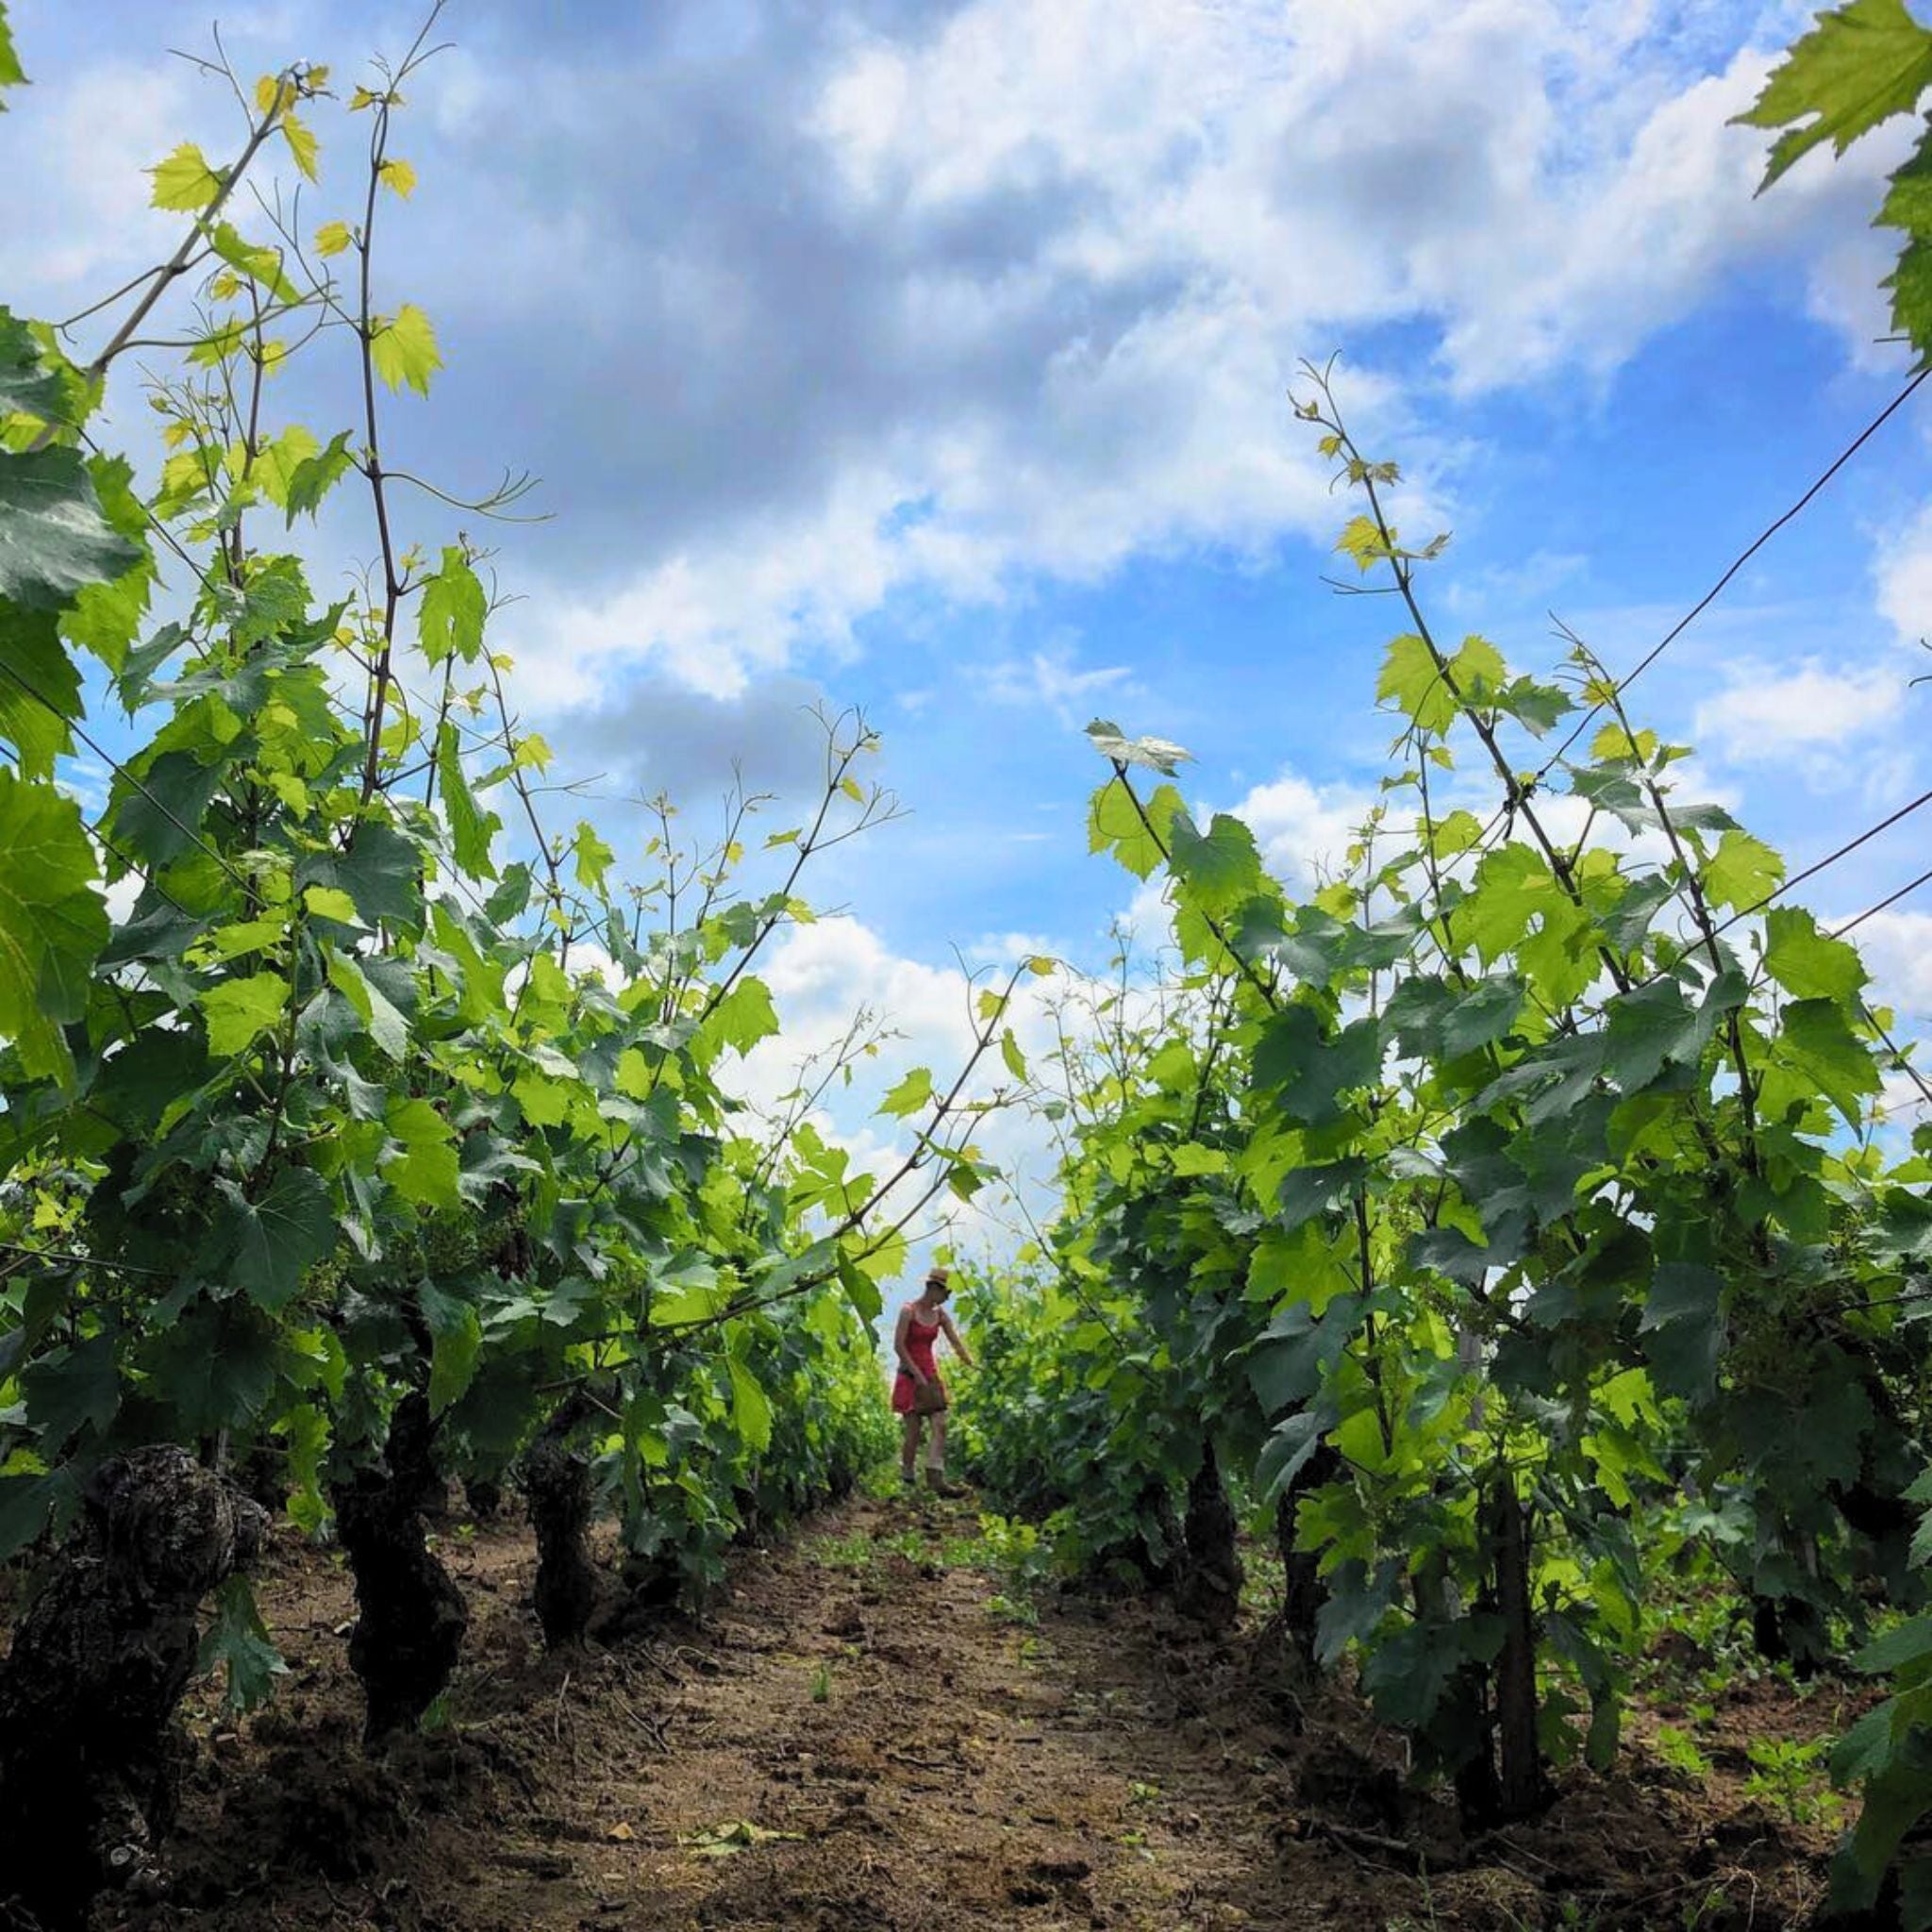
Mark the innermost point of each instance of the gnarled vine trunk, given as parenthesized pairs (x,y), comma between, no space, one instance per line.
(484,1495)
(557,1486)
(409,1629)
(1304,1593)
(1210,1581)
(1520,1788)
(90,1752)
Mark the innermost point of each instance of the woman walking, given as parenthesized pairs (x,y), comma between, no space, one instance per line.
(918,1394)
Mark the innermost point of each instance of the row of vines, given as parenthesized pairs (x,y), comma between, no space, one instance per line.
(1512,1224)
(362,1129)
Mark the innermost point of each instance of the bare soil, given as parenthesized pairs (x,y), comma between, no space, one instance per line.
(857,1735)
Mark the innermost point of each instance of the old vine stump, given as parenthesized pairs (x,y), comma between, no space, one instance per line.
(411,1617)
(90,1752)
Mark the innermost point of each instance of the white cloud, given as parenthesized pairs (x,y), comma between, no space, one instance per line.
(1903,570)
(1898,949)
(1072,258)
(88,224)
(935,308)
(1764,713)
(1903,1102)
(821,975)
(1303,831)
(1050,679)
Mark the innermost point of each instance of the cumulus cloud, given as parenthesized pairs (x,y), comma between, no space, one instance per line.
(1304,829)
(1903,566)
(1898,949)
(820,975)
(813,308)
(1805,719)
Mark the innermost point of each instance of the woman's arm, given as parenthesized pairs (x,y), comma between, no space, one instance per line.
(905,1362)
(959,1348)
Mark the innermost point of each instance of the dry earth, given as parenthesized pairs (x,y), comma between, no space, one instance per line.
(857,1735)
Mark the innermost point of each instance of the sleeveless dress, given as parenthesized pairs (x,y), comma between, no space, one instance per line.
(919,1342)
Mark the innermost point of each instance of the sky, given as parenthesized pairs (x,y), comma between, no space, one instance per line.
(933,359)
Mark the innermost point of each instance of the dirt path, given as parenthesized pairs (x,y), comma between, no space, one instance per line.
(859,1735)
(927,1762)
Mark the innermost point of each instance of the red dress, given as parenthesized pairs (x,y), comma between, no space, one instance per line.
(919,1342)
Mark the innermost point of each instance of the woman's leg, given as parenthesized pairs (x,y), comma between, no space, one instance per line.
(908,1454)
(936,1459)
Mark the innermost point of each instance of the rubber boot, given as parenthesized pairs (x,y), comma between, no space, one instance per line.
(936,1481)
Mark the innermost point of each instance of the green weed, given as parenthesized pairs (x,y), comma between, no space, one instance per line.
(1678,1750)
(1790,1775)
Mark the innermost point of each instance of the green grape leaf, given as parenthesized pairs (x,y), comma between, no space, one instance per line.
(1741,873)
(386,1025)
(1861,64)
(1308,1072)
(1009,1052)
(260,263)
(743,1017)
(157,813)
(424,1167)
(54,537)
(471,827)
(456,1343)
(238,1640)
(1864,1748)
(1220,868)
(185,182)
(382,872)
(1479,671)
(591,857)
(1285,1454)
(280,460)
(40,689)
(751,1408)
(312,478)
(53,925)
(272,1243)
(911,1093)
(1907,206)
(1311,1191)
(25,1501)
(1292,1354)
(1650,1028)
(861,1290)
(11,73)
(71,1389)
(403,347)
(450,618)
(26,387)
(214,1368)
(105,618)
(1114,824)
(1411,680)
(238,1010)
(1407,1671)
(1806,962)
(1818,1039)
(1683,1328)
(1483,1015)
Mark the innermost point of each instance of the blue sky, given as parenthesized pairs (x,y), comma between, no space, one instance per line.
(931,358)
